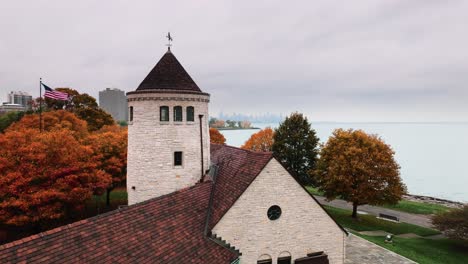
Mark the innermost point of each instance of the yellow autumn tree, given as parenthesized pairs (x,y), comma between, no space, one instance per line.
(261,141)
(359,168)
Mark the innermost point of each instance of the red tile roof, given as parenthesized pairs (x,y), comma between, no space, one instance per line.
(237,168)
(168,74)
(167,229)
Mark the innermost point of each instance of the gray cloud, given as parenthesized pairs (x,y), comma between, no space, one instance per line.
(334,60)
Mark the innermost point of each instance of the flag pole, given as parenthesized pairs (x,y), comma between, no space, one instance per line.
(40,104)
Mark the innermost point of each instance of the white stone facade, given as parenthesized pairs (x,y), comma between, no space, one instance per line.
(303,227)
(152,143)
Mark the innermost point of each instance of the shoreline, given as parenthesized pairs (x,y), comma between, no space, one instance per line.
(432,200)
(236,128)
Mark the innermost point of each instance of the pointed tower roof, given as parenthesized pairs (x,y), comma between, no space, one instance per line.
(168,74)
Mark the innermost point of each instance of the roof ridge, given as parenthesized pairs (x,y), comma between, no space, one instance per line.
(246,150)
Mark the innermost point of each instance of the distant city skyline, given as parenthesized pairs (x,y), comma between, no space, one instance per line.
(403,61)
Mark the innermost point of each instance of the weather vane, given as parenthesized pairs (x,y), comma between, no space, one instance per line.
(169,39)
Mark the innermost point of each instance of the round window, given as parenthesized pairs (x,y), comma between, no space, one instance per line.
(274,212)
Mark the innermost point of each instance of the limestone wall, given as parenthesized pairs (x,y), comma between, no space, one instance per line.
(302,228)
(152,143)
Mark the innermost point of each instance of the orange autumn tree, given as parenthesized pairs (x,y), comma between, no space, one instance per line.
(260,141)
(216,136)
(45,176)
(359,168)
(53,121)
(109,146)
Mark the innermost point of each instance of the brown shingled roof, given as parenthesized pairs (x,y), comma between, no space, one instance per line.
(167,229)
(168,74)
(237,168)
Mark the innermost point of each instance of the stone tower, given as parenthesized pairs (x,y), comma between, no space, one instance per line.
(168,136)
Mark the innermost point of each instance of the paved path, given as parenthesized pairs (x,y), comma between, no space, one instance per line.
(361,251)
(416,219)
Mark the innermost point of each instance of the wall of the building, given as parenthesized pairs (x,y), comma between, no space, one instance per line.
(114,102)
(151,145)
(302,228)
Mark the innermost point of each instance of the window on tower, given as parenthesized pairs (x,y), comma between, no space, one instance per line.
(190,113)
(178,158)
(130,110)
(164,113)
(178,113)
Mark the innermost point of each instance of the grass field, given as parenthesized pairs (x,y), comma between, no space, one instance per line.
(97,204)
(314,190)
(371,223)
(425,251)
(418,207)
(421,250)
(403,205)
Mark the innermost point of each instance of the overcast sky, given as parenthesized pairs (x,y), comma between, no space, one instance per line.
(333,60)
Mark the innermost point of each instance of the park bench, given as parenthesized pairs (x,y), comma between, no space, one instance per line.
(389,217)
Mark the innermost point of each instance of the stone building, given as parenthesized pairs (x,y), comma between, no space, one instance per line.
(191,201)
(114,102)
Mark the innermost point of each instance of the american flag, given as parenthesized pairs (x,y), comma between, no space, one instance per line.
(51,93)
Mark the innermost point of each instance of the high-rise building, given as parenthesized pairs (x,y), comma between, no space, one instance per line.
(20,98)
(114,102)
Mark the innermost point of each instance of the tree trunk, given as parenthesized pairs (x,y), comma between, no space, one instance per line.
(108,197)
(355,205)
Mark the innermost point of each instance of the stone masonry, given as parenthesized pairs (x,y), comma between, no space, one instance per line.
(152,143)
(304,227)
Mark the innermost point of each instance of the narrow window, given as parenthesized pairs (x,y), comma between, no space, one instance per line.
(264,261)
(178,113)
(178,158)
(164,113)
(190,113)
(131,113)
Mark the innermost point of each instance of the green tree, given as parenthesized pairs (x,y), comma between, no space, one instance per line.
(360,169)
(9,118)
(231,124)
(453,223)
(296,146)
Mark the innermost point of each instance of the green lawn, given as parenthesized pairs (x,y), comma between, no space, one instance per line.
(418,207)
(314,190)
(403,205)
(97,204)
(425,251)
(370,223)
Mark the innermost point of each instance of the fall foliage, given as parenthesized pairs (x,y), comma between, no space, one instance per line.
(216,136)
(453,223)
(43,176)
(260,141)
(47,175)
(53,121)
(360,169)
(296,146)
(110,152)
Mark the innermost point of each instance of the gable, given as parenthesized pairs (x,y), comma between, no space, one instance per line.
(236,170)
(302,228)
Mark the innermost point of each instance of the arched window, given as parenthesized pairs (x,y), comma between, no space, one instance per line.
(190,113)
(130,113)
(264,259)
(178,113)
(164,113)
(284,258)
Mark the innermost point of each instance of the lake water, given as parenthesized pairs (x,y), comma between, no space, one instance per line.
(433,156)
